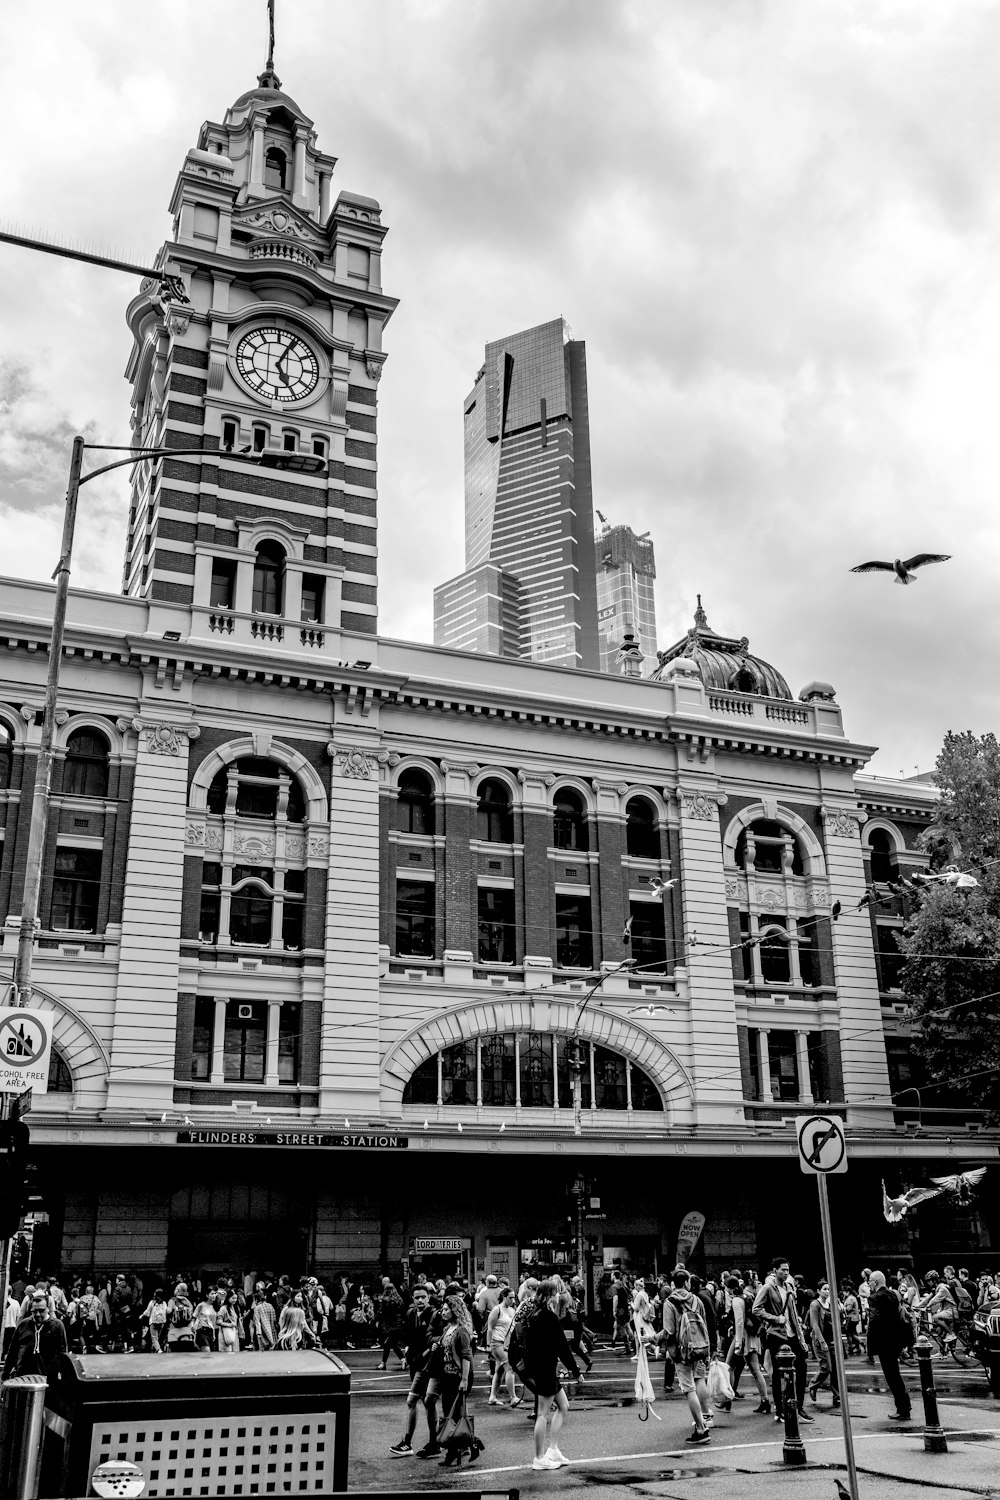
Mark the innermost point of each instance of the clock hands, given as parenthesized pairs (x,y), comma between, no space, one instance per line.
(282,362)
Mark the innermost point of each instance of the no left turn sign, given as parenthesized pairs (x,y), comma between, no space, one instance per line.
(822,1145)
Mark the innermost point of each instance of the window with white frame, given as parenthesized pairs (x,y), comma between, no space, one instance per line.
(529,1070)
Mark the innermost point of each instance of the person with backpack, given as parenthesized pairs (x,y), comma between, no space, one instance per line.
(775,1308)
(745,1349)
(960,1291)
(180,1321)
(685,1328)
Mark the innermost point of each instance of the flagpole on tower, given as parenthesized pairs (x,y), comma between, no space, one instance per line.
(270,35)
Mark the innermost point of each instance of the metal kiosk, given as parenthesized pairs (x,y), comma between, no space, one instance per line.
(200,1424)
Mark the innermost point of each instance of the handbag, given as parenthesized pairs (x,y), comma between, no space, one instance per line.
(458,1430)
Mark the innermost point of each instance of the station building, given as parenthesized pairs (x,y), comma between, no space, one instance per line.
(324,914)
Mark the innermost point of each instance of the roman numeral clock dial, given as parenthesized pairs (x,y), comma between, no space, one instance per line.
(277,365)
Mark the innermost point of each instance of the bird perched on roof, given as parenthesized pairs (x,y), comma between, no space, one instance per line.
(903,569)
(961,1185)
(896,1209)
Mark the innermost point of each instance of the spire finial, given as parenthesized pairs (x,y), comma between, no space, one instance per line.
(269,78)
(700,617)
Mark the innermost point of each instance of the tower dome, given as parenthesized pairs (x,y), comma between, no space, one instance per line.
(725,664)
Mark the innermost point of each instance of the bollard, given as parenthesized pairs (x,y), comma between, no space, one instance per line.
(793,1450)
(22,1404)
(934,1438)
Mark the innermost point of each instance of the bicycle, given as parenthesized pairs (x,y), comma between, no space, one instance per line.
(956,1345)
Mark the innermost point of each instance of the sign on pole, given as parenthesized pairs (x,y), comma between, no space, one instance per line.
(25,1049)
(822,1145)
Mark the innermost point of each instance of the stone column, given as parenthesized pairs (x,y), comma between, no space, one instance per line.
(764,1066)
(271,1048)
(299,196)
(802,1067)
(862,1042)
(349,1054)
(217,1071)
(257,155)
(145,1020)
(714,1053)
(324,194)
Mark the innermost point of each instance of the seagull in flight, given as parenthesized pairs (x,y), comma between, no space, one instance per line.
(961,1184)
(895,1209)
(904,569)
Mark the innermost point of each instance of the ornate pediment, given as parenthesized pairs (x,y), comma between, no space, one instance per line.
(270,219)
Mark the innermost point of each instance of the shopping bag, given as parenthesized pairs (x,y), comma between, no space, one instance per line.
(720,1386)
(458,1429)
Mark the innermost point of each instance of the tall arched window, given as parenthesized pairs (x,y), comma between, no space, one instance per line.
(766,846)
(268,577)
(85,772)
(569,820)
(275,168)
(415,804)
(6,757)
(262,903)
(882,851)
(495,813)
(642,839)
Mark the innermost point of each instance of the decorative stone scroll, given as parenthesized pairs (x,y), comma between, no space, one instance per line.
(841,824)
(356,762)
(702,805)
(163,738)
(373,364)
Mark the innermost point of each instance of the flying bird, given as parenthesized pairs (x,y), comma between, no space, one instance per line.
(896,1209)
(659,886)
(961,1184)
(905,569)
(627,934)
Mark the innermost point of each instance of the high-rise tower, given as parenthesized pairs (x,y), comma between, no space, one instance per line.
(528,588)
(625,594)
(279,352)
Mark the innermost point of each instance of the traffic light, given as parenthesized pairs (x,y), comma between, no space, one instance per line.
(13,1176)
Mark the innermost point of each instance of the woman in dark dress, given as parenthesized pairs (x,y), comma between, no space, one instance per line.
(545,1348)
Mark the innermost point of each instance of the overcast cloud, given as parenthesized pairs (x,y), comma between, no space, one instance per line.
(774,224)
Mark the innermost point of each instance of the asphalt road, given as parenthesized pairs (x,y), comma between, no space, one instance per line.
(613,1454)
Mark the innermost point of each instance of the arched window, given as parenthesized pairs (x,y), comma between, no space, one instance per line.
(882,854)
(531,1070)
(769,847)
(60,1077)
(744,681)
(495,814)
(268,577)
(642,839)
(275,168)
(415,805)
(257,904)
(85,772)
(6,757)
(569,820)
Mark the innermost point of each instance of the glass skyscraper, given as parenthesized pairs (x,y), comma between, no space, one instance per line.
(529,588)
(625,594)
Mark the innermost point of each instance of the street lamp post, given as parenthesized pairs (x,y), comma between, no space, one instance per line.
(38,824)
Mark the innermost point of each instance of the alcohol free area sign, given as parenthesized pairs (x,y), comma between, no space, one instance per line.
(25,1049)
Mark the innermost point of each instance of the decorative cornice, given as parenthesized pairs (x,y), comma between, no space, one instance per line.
(355,761)
(842,822)
(163,738)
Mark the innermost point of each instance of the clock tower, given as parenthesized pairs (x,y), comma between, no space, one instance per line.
(278,354)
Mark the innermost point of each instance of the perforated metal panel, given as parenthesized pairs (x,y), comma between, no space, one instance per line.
(279,1455)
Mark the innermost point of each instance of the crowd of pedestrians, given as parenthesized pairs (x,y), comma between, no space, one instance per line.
(531,1334)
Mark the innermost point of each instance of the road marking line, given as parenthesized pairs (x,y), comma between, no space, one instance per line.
(685,1452)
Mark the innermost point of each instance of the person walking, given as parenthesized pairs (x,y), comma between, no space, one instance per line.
(88,1314)
(888,1333)
(390,1320)
(263,1324)
(498,1325)
(38,1343)
(203,1323)
(820,1325)
(685,1328)
(455,1381)
(227,1322)
(545,1349)
(416,1335)
(745,1349)
(180,1327)
(775,1306)
(155,1318)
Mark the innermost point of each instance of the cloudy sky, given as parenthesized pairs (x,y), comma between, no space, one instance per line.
(776,223)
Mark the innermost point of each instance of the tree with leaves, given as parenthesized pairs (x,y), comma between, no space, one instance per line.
(951,977)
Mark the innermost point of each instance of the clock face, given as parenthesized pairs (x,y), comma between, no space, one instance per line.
(277,365)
